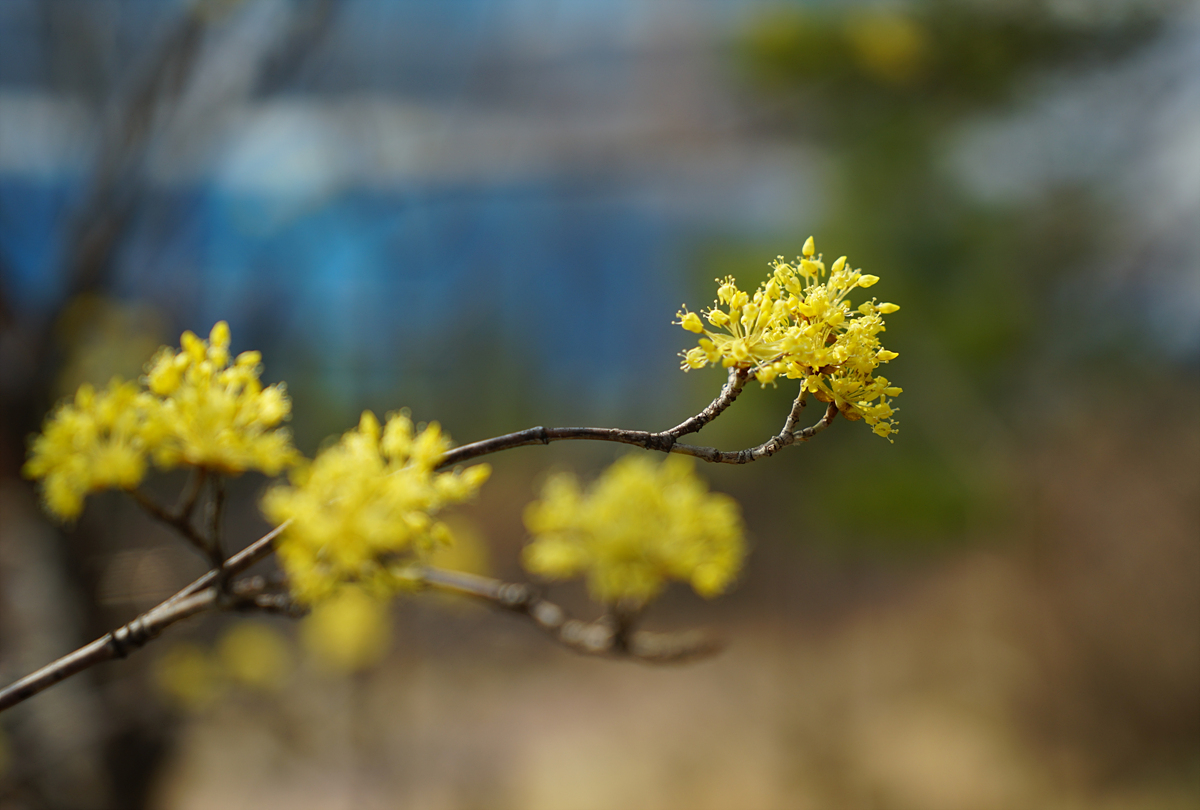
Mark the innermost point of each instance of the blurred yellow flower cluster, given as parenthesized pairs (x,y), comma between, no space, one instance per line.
(639,525)
(90,443)
(798,324)
(198,411)
(364,501)
(215,415)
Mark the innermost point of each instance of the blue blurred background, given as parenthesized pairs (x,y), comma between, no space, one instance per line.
(489,211)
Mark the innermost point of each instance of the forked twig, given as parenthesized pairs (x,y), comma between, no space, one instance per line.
(136,634)
(664,441)
(603,637)
(612,635)
(180,521)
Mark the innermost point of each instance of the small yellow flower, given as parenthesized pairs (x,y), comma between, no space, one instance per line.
(363,503)
(216,415)
(90,443)
(800,325)
(639,525)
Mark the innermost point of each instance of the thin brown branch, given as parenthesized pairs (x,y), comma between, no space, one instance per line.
(216,508)
(664,441)
(178,521)
(197,597)
(191,496)
(257,551)
(612,635)
(117,644)
(607,637)
(729,392)
(768,448)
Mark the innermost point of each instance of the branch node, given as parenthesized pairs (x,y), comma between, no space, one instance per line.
(512,595)
(548,615)
(130,637)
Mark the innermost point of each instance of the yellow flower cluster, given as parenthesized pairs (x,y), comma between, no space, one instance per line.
(364,501)
(90,443)
(639,525)
(199,410)
(799,325)
(213,414)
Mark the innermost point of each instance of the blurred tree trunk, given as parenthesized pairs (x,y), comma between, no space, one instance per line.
(79,746)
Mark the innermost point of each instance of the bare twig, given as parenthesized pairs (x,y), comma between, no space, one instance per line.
(191,496)
(197,597)
(729,392)
(613,635)
(179,521)
(664,441)
(768,448)
(117,644)
(216,507)
(606,637)
(208,542)
(257,551)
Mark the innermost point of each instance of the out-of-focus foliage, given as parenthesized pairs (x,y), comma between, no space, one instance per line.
(348,632)
(199,411)
(189,675)
(873,60)
(248,656)
(255,655)
(106,338)
(642,523)
(214,414)
(882,90)
(366,505)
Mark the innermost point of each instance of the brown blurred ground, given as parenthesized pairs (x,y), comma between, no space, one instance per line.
(1055,668)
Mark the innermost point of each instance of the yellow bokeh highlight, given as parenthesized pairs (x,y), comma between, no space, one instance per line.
(255,655)
(892,48)
(105,338)
(348,632)
(467,550)
(189,676)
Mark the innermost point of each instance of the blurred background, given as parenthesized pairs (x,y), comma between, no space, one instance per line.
(489,211)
